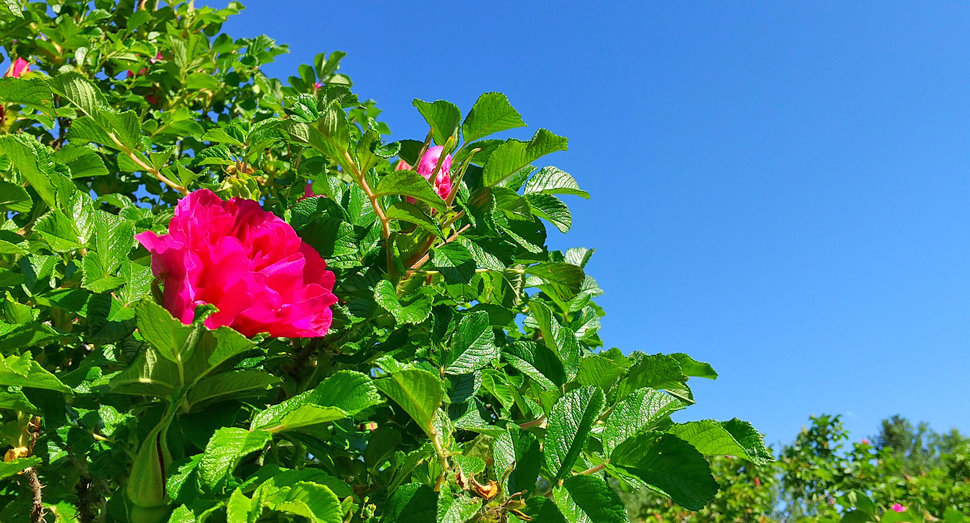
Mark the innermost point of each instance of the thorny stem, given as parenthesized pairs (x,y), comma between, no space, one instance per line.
(424,259)
(597,468)
(37,507)
(385,223)
(533,423)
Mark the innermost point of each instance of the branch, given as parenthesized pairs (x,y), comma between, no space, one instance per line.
(131,154)
(424,259)
(385,223)
(37,508)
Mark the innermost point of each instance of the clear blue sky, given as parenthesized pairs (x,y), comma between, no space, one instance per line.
(781,189)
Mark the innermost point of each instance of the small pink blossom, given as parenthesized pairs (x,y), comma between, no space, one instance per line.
(898,508)
(308,193)
(317,85)
(247,262)
(144,70)
(442,182)
(19,68)
(865,441)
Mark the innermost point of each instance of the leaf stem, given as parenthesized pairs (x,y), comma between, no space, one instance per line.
(597,468)
(131,154)
(375,203)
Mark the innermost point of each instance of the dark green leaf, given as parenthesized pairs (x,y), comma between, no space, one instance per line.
(417,391)
(473,345)
(551,180)
(669,465)
(225,449)
(638,412)
(517,453)
(516,154)
(407,212)
(410,183)
(454,262)
(597,499)
(14,198)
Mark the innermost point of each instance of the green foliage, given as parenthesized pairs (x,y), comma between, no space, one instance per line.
(462,379)
(907,474)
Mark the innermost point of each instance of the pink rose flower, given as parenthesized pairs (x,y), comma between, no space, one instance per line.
(19,68)
(247,262)
(865,441)
(317,86)
(898,508)
(442,182)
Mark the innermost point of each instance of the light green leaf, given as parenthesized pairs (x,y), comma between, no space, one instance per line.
(417,391)
(670,465)
(58,230)
(694,368)
(551,209)
(410,183)
(78,90)
(33,92)
(9,468)
(315,502)
(348,391)
(410,213)
(414,313)
(238,507)
(226,448)
(230,385)
(733,438)
(35,162)
(658,371)
(516,154)
(168,335)
(82,161)
(473,345)
(443,117)
(14,8)
(492,113)
(307,416)
(638,412)
(14,198)
(551,180)
(570,421)
(566,274)
(597,499)
(22,371)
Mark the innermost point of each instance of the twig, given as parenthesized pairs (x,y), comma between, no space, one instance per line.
(37,508)
(424,259)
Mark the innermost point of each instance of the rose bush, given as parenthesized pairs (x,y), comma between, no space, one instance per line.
(402,347)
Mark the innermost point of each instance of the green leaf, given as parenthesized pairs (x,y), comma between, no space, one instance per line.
(238,507)
(536,361)
(443,117)
(14,8)
(34,93)
(230,385)
(473,345)
(22,371)
(733,438)
(551,209)
(58,230)
(348,391)
(82,161)
(598,371)
(566,274)
(694,368)
(315,502)
(670,466)
(168,335)
(9,468)
(35,162)
(658,371)
(411,503)
(551,180)
(408,212)
(558,338)
(414,313)
(149,375)
(78,90)
(597,499)
(459,508)
(517,453)
(418,392)
(225,450)
(307,416)
(410,183)
(492,113)
(516,154)
(570,421)
(14,198)
(454,262)
(638,412)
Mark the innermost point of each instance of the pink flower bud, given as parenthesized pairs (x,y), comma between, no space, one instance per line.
(865,441)
(19,68)
(317,85)
(247,262)
(898,508)
(442,182)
